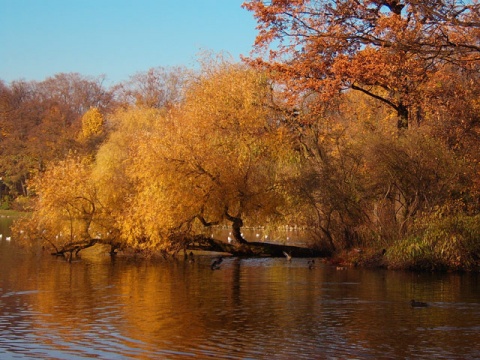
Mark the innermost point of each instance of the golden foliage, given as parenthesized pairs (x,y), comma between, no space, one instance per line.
(92,123)
(66,207)
(218,151)
(161,176)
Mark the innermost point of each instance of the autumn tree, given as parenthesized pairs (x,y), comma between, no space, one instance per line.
(384,48)
(17,118)
(404,55)
(74,94)
(92,123)
(85,200)
(40,122)
(118,173)
(68,215)
(163,177)
(158,87)
(216,158)
(93,130)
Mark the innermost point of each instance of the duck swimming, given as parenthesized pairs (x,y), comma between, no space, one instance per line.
(215,265)
(414,303)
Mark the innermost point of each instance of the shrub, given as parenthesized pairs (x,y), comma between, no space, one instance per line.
(440,242)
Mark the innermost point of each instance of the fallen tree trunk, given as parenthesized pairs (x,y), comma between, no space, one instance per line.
(75,247)
(260,249)
(203,243)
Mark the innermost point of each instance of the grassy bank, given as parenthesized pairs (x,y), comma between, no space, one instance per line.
(12,213)
(436,243)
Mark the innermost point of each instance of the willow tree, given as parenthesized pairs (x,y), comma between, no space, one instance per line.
(67,216)
(116,172)
(218,157)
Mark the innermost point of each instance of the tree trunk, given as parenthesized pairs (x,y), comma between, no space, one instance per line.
(402,112)
(237,224)
(260,249)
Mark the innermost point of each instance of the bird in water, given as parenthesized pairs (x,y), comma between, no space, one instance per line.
(418,303)
(311,264)
(287,255)
(215,265)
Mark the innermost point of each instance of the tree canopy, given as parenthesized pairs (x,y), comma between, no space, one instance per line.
(387,49)
(40,122)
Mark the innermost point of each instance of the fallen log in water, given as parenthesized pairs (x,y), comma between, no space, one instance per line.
(255,249)
(202,243)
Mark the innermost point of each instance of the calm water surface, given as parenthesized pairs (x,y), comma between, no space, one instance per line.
(249,309)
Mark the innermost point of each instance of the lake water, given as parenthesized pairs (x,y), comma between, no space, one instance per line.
(248,309)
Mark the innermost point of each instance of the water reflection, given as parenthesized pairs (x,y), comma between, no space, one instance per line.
(250,308)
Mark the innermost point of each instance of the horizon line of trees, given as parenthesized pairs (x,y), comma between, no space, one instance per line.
(361,123)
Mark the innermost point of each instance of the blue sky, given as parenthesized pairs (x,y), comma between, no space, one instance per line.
(117,38)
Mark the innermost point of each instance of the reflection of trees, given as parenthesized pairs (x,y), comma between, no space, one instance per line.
(265,303)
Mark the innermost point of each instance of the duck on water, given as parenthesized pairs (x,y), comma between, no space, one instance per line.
(415,303)
(215,265)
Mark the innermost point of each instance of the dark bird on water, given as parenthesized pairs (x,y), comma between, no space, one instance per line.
(215,265)
(311,264)
(418,303)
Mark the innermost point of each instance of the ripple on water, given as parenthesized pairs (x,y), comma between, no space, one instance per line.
(252,308)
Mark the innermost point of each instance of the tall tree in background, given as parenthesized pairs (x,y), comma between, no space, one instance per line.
(387,49)
(40,122)
(18,116)
(158,87)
